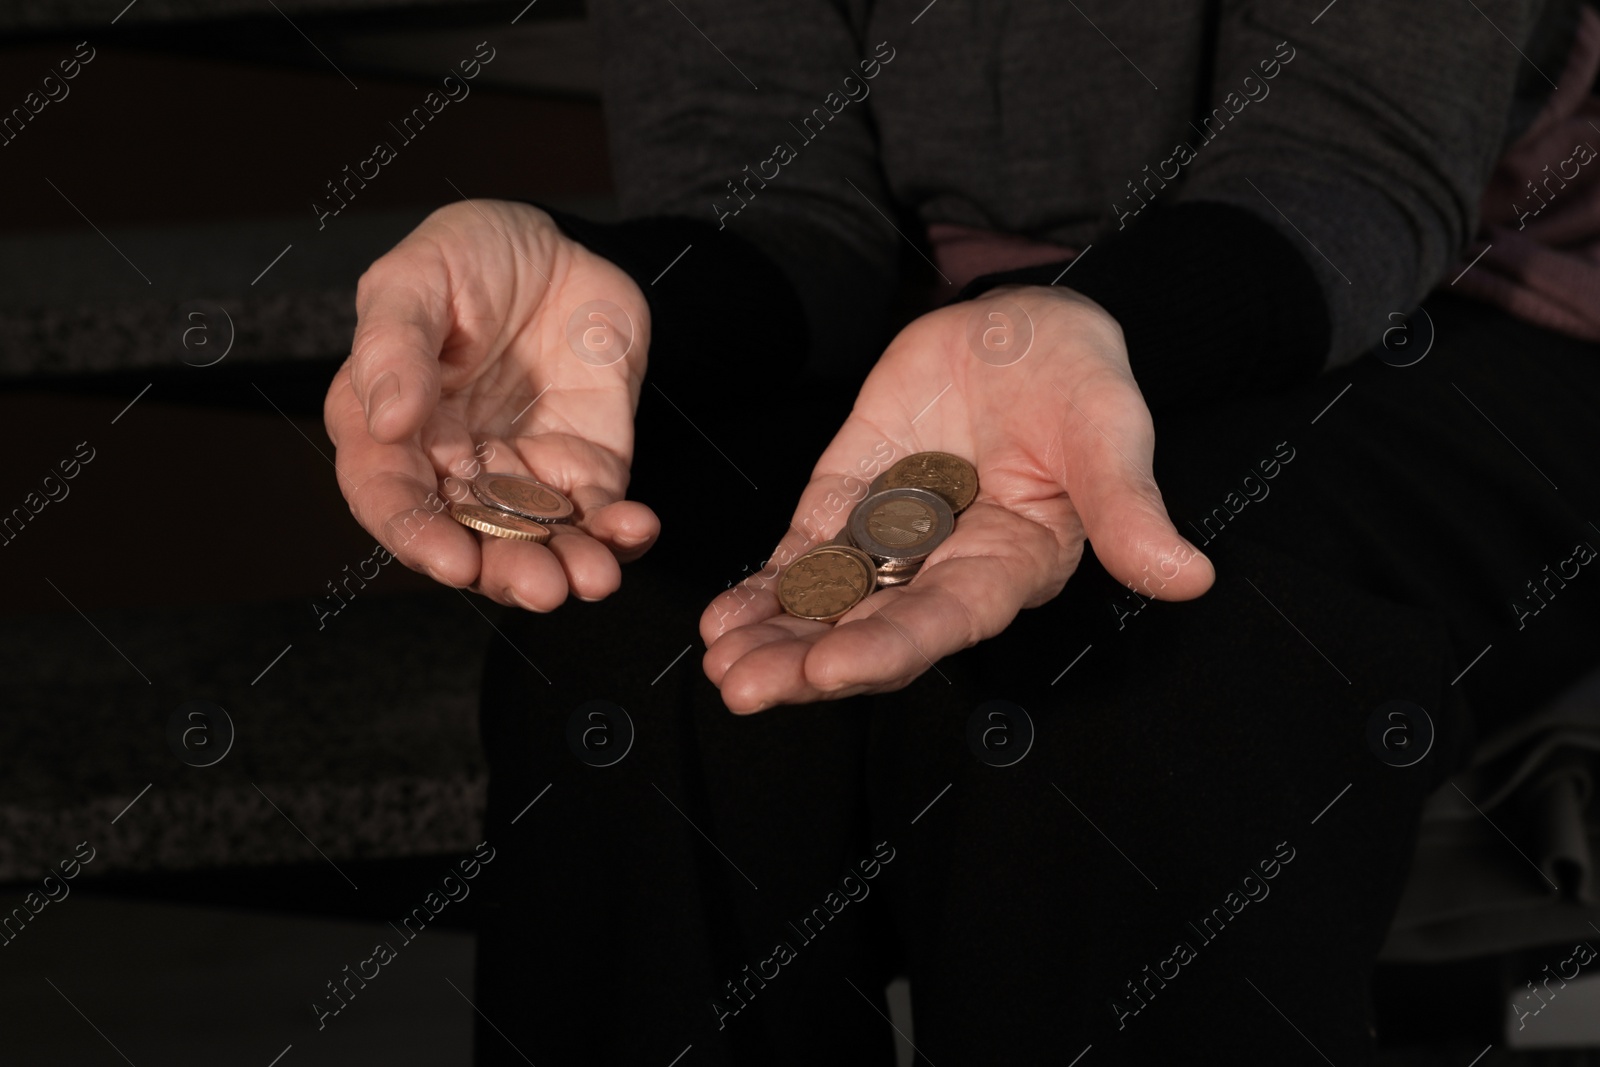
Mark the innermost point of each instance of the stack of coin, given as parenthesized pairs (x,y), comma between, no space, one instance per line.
(513,506)
(899,528)
(908,512)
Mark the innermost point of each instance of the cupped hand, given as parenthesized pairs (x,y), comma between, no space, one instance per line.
(1063,445)
(487,340)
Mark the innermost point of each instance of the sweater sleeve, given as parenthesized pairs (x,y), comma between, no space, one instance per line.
(1331,179)
(752,120)
(1371,147)
(1213,302)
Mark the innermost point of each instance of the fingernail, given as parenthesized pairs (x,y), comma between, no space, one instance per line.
(384,391)
(632,540)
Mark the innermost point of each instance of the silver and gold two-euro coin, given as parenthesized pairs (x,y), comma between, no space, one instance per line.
(518,494)
(899,528)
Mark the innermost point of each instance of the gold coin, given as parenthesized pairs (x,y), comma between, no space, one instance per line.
(939,472)
(528,497)
(499,523)
(826,582)
(887,578)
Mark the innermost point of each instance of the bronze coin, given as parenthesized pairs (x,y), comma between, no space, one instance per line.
(939,472)
(499,523)
(826,582)
(524,496)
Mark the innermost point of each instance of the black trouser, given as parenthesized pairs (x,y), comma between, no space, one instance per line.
(1201,851)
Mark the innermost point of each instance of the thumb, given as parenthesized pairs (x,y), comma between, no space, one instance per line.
(1110,444)
(402,320)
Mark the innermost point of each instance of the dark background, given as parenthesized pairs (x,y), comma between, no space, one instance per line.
(190,551)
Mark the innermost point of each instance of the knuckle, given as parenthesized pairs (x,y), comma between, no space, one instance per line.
(971,630)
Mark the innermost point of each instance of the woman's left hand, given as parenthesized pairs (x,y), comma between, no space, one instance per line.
(1062,443)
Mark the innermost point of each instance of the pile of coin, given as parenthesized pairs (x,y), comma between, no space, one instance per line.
(907,513)
(514,507)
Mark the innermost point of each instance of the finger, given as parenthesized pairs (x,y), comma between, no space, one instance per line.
(627,527)
(402,320)
(898,635)
(392,492)
(414,524)
(768,667)
(521,574)
(539,576)
(752,601)
(739,642)
(591,569)
(1106,459)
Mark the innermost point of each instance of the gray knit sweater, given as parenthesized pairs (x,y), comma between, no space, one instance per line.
(828,132)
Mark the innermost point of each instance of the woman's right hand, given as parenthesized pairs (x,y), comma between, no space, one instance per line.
(461,363)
